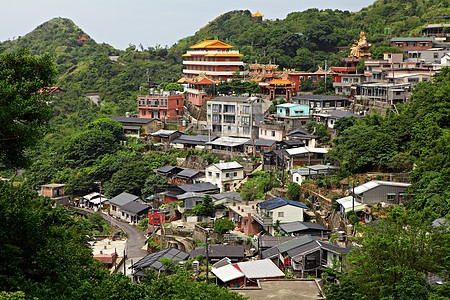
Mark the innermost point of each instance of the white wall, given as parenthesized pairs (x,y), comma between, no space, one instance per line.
(291,214)
(218,177)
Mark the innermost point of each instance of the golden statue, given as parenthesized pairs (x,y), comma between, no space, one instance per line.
(361,48)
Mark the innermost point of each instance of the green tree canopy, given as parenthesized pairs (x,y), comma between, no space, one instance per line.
(393,258)
(222,226)
(24,113)
(206,208)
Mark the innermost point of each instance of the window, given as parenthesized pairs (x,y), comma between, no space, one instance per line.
(280,214)
(411,44)
(424,44)
(245,120)
(246,130)
(217,175)
(143,112)
(216,118)
(246,109)
(228,108)
(209,173)
(273,133)
(401,197)
(390,198)
(399,45)
(228,119)
(217,108)
(435,55)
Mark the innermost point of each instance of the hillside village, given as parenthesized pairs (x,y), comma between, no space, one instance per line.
(254,177)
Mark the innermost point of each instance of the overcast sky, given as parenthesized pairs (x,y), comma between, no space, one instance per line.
(150,22)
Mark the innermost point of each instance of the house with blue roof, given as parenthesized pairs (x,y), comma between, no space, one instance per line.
(280,210)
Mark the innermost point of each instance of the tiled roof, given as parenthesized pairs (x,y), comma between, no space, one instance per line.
(134,207)
(153,260)
(261,142)
(188,174)
(220,251)
(198,187)
(123,199)
(300,226)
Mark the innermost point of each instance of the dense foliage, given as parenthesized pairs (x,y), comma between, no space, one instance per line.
(24,112)
(417,139)
(394,257)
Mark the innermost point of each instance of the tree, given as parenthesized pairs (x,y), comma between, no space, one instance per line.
(395,254)
(206,208)
(320,130)
(152,183)
(294,191)
(130,178)
(222,226)
(24,113)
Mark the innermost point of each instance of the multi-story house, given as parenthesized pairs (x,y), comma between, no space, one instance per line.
(322,102)
(213,58)
(224,175)
(164,105)
(234,116)
(278,210)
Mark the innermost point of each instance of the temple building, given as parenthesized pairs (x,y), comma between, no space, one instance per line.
(213,58)
(196,91)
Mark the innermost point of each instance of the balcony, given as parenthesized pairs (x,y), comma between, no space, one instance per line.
(264,220)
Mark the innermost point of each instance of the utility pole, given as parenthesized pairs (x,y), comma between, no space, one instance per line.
(207,254)
(53,160)
(353,196)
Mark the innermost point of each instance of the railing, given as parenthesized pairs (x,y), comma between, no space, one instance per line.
(263,220)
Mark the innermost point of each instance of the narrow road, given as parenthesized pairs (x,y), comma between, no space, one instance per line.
(135,239)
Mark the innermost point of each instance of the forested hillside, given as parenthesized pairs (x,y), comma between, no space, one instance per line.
(303,40)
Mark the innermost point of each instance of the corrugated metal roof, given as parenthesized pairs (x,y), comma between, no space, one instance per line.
(164,133)
(264,268)
(302,240)
(300,226)
(228,141)
(278,202)
(303,150)
(376,183)
(131,120)
(228,165)
(227,273)
(194,139)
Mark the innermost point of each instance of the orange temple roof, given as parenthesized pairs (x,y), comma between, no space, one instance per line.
(258,14)
(211,44)
(280,81)
(83,38)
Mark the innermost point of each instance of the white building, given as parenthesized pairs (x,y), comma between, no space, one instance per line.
(234,116)
(224,175)
(279,210)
